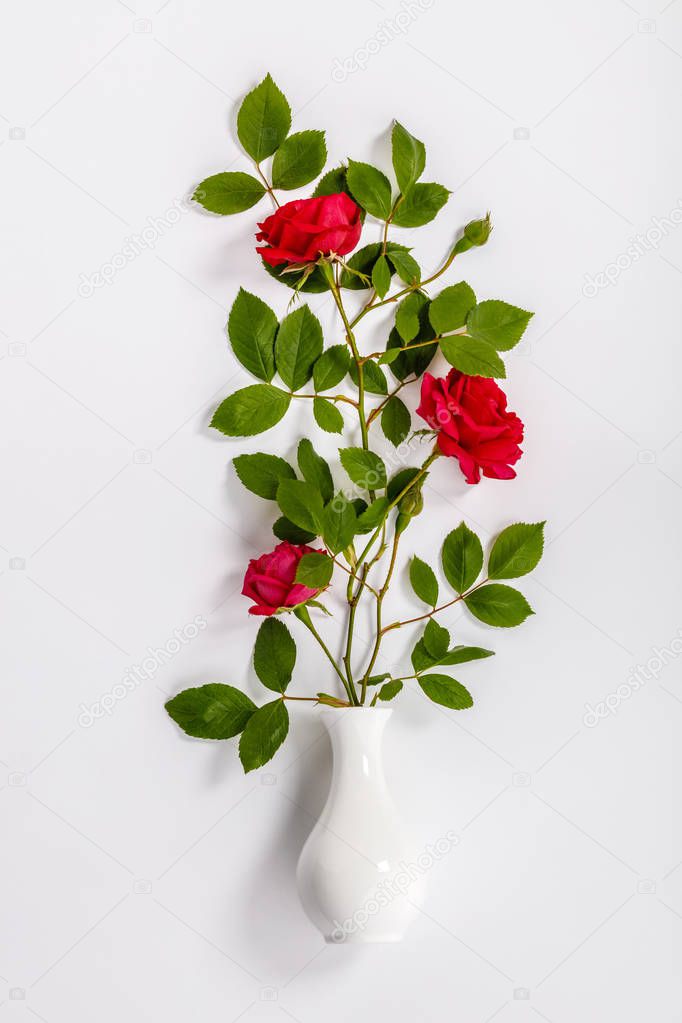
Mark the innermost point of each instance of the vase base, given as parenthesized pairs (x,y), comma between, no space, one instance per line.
(363,939)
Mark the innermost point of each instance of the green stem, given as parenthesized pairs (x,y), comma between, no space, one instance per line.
(347,657)
(405,291)
(268,186)
(353,598)
(350,337)
(415,479)
(379,605)
(329,397)
(421,344)
(377,411)
(303,615)
(435,611)
(353,576)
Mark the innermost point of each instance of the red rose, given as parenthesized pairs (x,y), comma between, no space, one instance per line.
(269,580)
(303,230)
(473,424)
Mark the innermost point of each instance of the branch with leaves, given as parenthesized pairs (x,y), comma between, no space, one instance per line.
(353,532)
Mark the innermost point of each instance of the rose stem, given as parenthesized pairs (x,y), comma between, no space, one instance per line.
(303,615)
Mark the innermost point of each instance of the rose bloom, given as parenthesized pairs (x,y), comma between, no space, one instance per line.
(269,580)
(303,230)
(473,424)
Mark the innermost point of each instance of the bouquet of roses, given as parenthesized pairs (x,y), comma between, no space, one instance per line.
(351,536)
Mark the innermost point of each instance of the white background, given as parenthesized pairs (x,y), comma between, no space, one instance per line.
(145,877)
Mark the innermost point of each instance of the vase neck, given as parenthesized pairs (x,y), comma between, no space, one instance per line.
(356,737)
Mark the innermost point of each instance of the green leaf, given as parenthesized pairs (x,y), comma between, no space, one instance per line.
(251,410)
(284,529)
(473,357)
(462,654)
(390,689)
(424,582)
(407,321)
(251,327)
(462,558)
(331,367)
(338,524)
(314,571)
(398,482)
(261,473)
(298,345)
(263,120)
(436,639)
(362,262)
(373,377)
(213,711)
(516,550)
(396,421)
(389,356)
(410,361)
(409,157)
(264,734)
(370,188)
(302,504)
(381,276)
(331,183)
(327,416)
(274,655)
(449,310)
(229,192)
(312,283)
(299,159)
(420,205)
(420,657)
(446,691)
(413,361)
(499,605)
(364,468)
(499,323)
(406,267)
(373,515)
(315,470)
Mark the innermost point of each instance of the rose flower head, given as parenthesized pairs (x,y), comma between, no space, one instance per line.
(303,230)
(270,580)
(473,424)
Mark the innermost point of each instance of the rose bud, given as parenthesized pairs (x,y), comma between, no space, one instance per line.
(305,229)
(476,233)
(270,579)
(473,425)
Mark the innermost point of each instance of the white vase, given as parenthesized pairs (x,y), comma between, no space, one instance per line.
(357,875)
